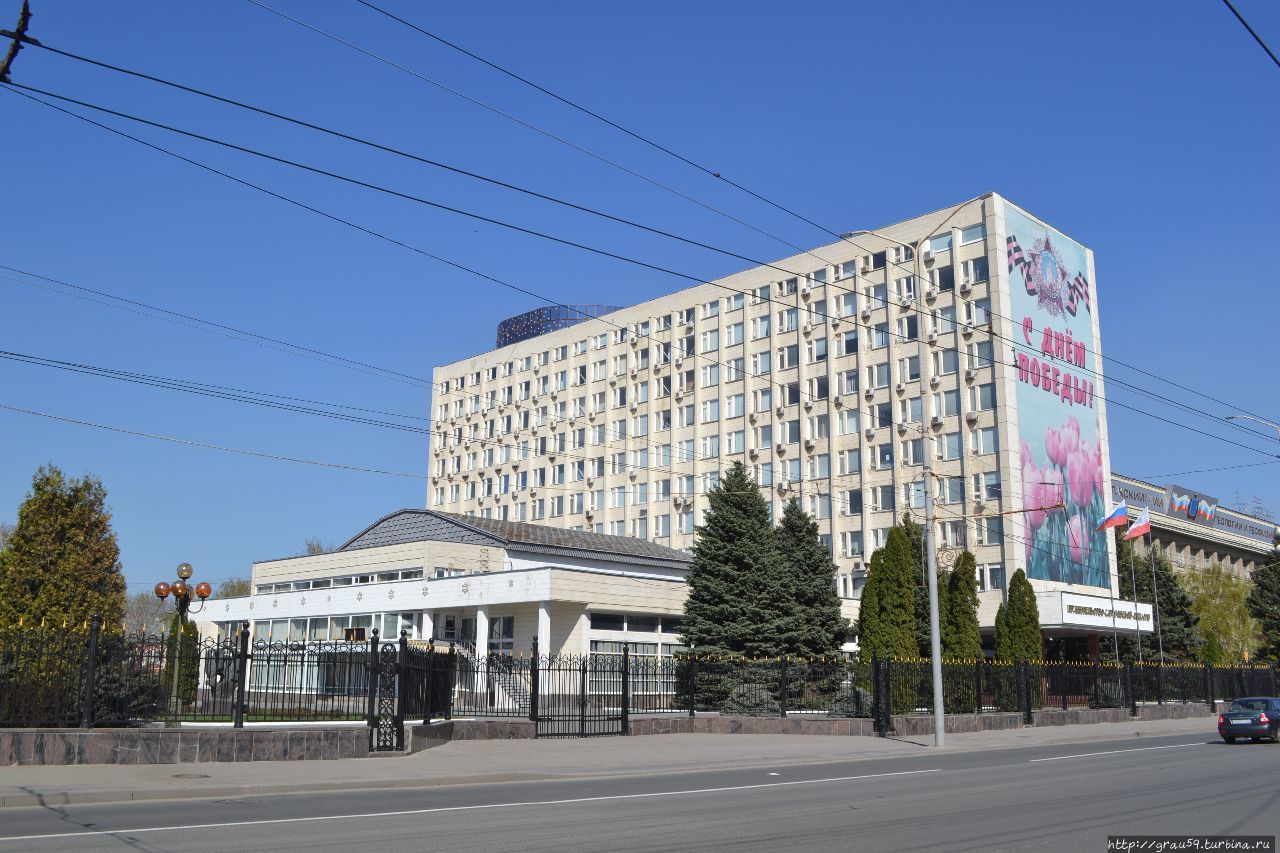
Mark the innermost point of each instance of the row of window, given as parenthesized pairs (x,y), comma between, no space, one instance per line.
(352,580)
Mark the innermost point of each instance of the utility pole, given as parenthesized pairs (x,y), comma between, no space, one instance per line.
(935,642)
(19,36)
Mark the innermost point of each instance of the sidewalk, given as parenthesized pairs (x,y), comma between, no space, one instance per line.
(471,762)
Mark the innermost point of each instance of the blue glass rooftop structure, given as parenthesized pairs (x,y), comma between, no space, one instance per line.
(539,321)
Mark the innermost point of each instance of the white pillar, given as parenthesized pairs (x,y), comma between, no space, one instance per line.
(482,632)
(428,625)
(544,628)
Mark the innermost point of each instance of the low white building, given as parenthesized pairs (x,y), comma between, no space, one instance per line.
(483,583)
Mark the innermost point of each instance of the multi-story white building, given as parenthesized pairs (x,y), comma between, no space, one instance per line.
(965,339)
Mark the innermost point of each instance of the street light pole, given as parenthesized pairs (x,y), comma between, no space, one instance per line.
(1275,426)
(182,593)
(935,643)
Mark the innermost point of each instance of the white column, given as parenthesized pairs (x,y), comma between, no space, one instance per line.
(428,625)
(544,628)
(482,631)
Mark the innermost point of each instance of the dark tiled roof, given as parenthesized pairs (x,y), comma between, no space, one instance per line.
(421,525)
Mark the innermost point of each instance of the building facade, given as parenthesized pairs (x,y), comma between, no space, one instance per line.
(483,584)
(1194,531)
(966,339)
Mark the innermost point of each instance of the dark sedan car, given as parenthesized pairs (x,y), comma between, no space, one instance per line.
(1255,718)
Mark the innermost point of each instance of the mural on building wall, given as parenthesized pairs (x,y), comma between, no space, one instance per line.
(1060,450)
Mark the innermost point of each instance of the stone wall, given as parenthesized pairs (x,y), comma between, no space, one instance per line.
(178,746)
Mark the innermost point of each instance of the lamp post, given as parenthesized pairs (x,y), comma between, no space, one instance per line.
(182,593)
(1275,426)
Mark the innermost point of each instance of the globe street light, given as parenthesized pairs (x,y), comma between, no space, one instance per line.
(182,593)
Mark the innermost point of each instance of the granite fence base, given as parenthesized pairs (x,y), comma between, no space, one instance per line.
(427,736)
(178,746)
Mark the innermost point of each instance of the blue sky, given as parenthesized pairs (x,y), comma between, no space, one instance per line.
(1144,130)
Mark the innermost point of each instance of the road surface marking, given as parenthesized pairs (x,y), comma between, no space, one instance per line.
(406,812)
(1116,751)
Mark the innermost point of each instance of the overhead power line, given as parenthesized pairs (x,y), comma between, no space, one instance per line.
(224,449)
(501,282)
(842,237)
(1252,32)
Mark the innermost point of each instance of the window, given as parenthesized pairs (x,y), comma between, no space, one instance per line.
(878,375)
(912,409)
(851,543)
(710,375)
(978,312)
(943,278)
(686,522)
(974,270)
(788,287)
(608,622)
(944,320)
(787,320)
(661,526)
(909,328)
(710,411)
(736,442)
(877,261)
(982,398)
(946,362)
(913,495)
(733,335)
(710,340)
(877,296)
(986,486)
(950,490)
(640,425)
(990,530)
(950,446)
(820,467)
(759,294)
(941,243)
(995,572)
(788,356)
(972,234)
(879,335)
(984,440)
(884,456)
(710,446)
(733,369)
(848,343)
(819,427)
(849,382)
(946,404)
(734,302)
(791,393)
(913,451)
(951,534)
(764,474)
(760,327)
(849,269)
(881,415)
(909,368)
(711,309)
(818,349)
(882,498)
(820,506)
(761,363)
(735,406)
(981,354)
(640,494)
(853,501)
(849,421)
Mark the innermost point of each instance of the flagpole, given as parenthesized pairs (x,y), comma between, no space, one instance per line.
(1133,576)
(1155,598)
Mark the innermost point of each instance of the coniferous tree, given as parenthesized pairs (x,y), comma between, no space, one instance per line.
(738,580)
(813,625)
(887,616)
(964,639)
(1264,604)
(1178,629)
(1018,634)
(61,562)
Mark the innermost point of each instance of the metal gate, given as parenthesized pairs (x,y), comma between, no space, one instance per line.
(581,695)
(386,712)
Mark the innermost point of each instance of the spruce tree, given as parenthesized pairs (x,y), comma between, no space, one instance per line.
(738,588)
(887,617)
(1018,634)
(1178,623)
(1264,604)
(964,639)
(813,624)
(61,563)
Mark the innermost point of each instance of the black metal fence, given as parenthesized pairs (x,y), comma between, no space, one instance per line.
(86,678)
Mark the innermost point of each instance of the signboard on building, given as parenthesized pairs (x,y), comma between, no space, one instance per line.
(1069,610)
(1190,505)
(1059,425)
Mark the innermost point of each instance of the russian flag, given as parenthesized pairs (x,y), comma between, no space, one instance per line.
(1141,526)
(1118,518)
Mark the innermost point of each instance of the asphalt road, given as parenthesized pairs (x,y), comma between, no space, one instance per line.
(1065,797)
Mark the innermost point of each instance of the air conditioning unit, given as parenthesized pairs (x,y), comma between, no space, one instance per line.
(838,400)
(866,313)
(635,371)
(936,420)
(933,337)
(835,322)
(753,453)
(613,380)
(866,266)
(869,432)
(965,287)
(902,427)
(634,406)
(805,290)
(635,342)
(679,393)
(632,473)
(934,381)
(902,387)
(679,360)
(930,294)
(536,370)
(970,374)
(971,417)
(591,416)
(927,256)
(869,392)
(780,447)
(809,444)
(808,405)
(781,411)
(904,301)
(966,330)
(807,328)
